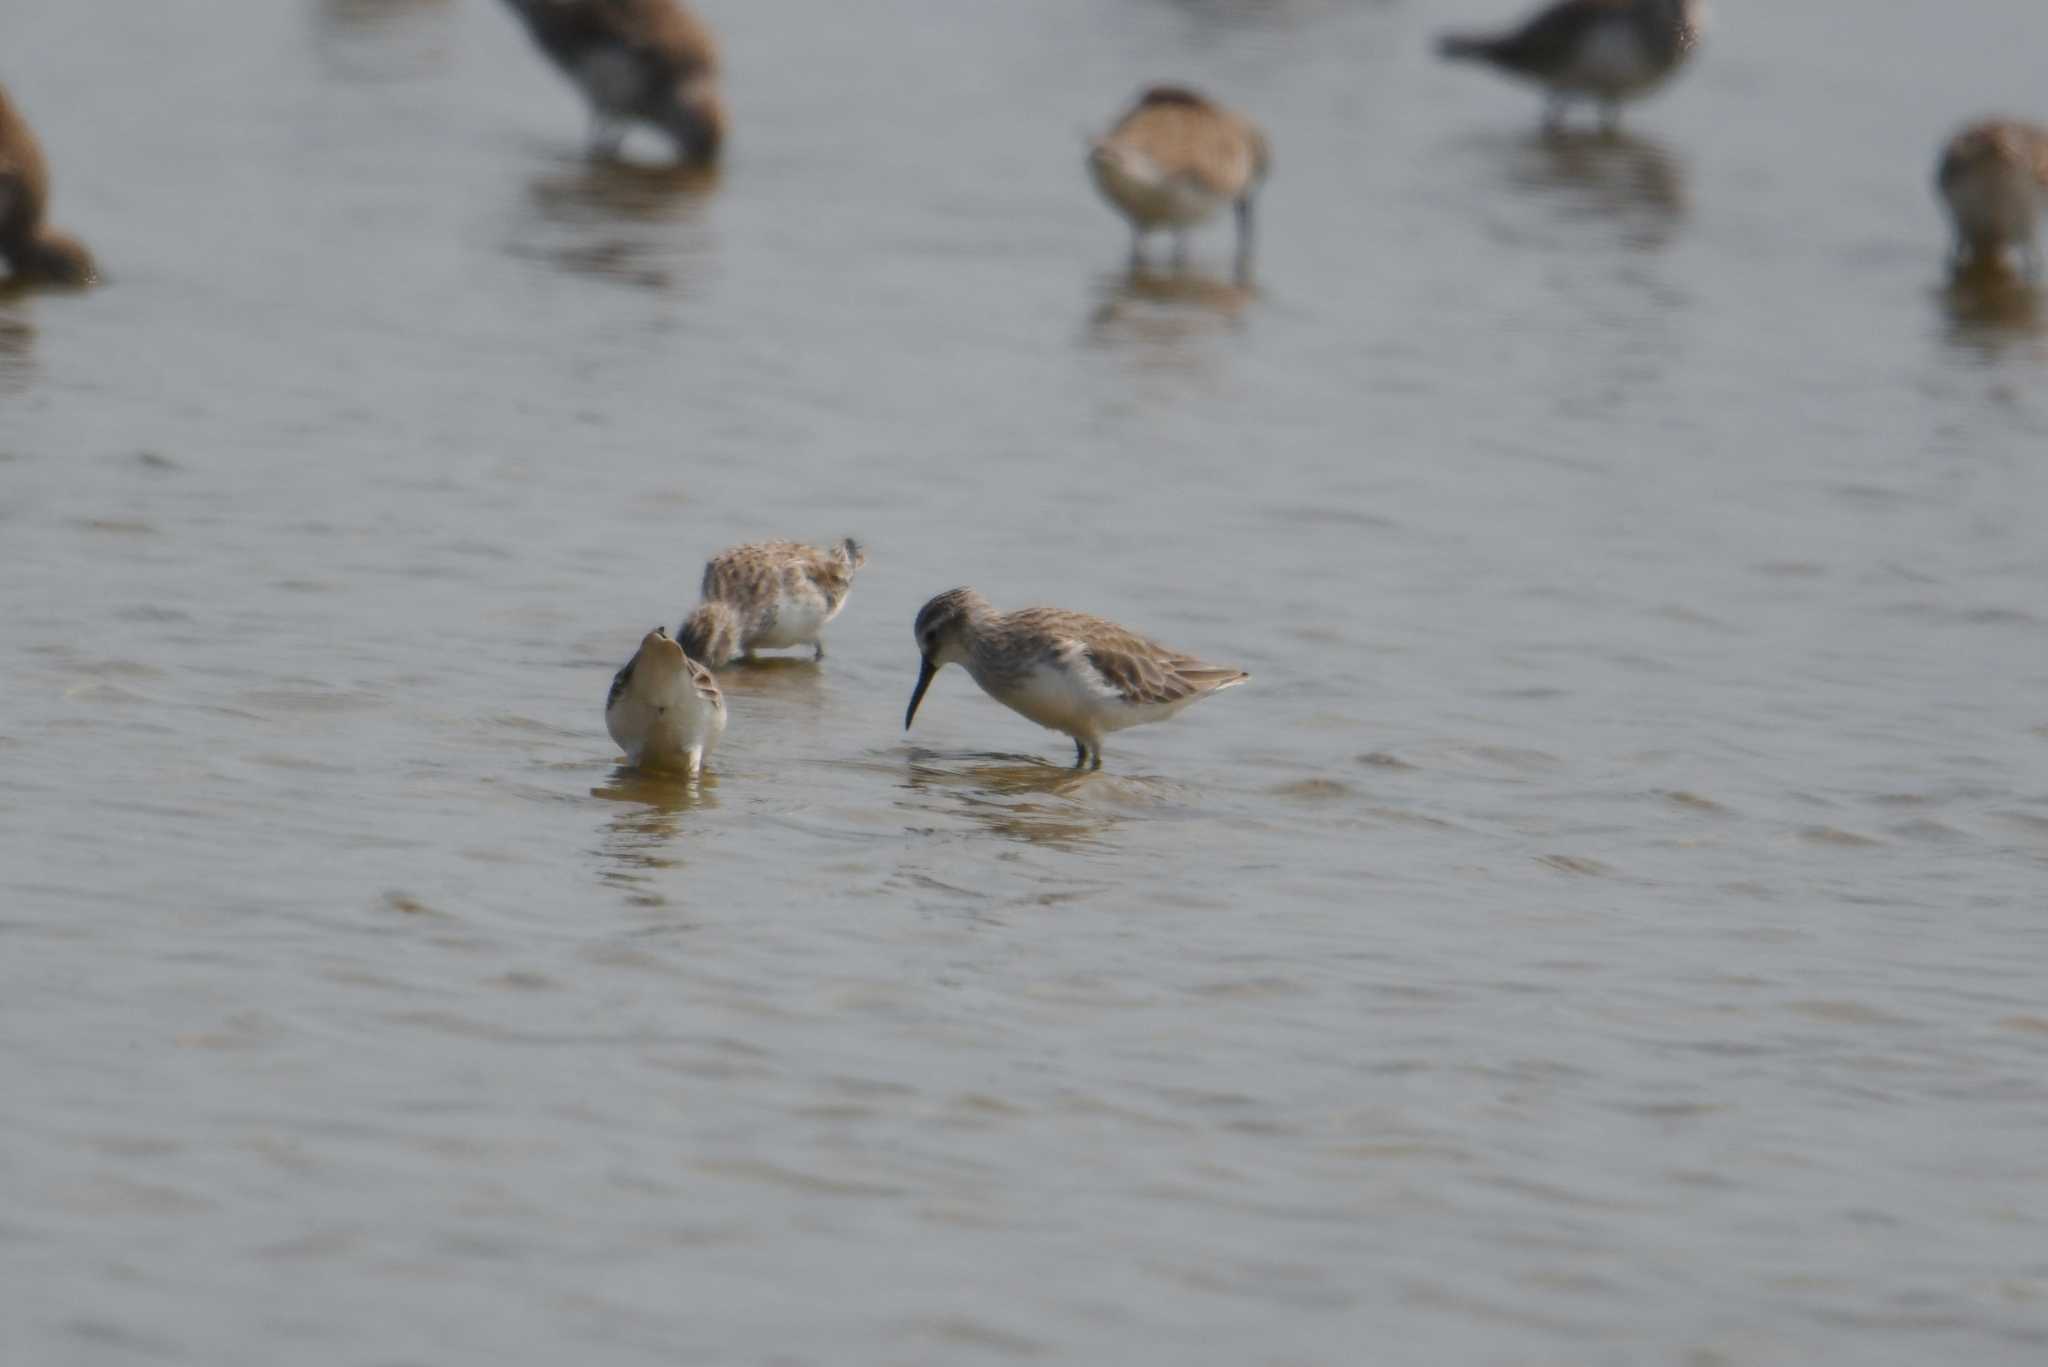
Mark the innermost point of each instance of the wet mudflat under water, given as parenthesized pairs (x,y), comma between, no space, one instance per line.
(1609,927)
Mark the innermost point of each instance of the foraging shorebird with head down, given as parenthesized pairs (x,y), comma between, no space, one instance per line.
(1173,161)
(1993,177)
(1067,671)
(636,61)
(1603,50)
(32,249)
(664,710)
(768,595)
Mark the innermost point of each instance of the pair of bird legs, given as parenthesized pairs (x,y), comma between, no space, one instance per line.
(1087,756)
(1243,269)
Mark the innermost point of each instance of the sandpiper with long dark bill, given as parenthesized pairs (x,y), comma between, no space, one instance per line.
(651,62)
(1067,671)
(1607,51)
(1993,177)
(32,249)
(1173,161)
(768,595)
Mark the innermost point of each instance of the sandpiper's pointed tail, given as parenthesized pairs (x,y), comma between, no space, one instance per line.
(853,553)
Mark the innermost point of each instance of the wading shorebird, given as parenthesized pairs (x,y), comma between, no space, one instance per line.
(1175,160)
(768,595)
(1066,671)
(1993,177)
(664,710)
(33,250)
(636,61)
(1603,50)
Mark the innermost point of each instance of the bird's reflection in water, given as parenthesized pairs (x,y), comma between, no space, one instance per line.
(1022,797)
(374,41)
(774,676)
(1991,307)
(1166,319)
(1631,181)
(613,220)
(638,837)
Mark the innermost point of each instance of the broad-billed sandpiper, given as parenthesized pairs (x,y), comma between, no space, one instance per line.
(33,250)
(1602,50)
(636,61)
(768,595)
(1993,176)
(1066,671)
(665,711)
(1176,159)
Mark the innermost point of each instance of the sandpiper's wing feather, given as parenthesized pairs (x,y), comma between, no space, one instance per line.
(700,678)
(1138,670)
(620,682)
(1184,134)
(750,576)
(1551,39)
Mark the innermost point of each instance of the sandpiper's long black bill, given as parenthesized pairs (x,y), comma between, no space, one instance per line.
(926,671)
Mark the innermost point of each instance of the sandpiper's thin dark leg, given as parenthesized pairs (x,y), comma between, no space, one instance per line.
(1095,758)
(1080,753)
(1610,117)
(819,646)
(1137,250)
(1244,240)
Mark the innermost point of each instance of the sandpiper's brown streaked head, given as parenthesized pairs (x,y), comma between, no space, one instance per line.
(1607,51)
(32,249)
(636,61)
(1993,177)
(1173,161)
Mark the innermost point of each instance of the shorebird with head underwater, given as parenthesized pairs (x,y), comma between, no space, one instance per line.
(636,61)
(1067,671)
(1993,178)
(1607,51)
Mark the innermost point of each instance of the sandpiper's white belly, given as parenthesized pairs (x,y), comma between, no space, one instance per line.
(797,621)
(1149,198)
(1070,696)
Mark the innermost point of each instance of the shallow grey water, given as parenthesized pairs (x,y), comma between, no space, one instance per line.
(1608,929)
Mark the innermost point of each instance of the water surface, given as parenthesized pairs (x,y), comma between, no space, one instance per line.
(1608,929)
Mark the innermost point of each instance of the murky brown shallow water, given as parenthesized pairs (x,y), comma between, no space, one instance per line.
(1609,929)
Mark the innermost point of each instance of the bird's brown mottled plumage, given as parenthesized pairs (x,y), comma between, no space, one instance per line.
(753,595)
(1187,134)
(661,64)
(32,249)
(1561,47)
(1174,159)
(1993,177)
(1069,671)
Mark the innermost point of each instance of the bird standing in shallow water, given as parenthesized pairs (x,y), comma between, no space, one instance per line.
(1067,671)
(33,250)
(1603,50)
(636,61)
(767,595)
(1993,177)
(1175,160)
(664,710)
